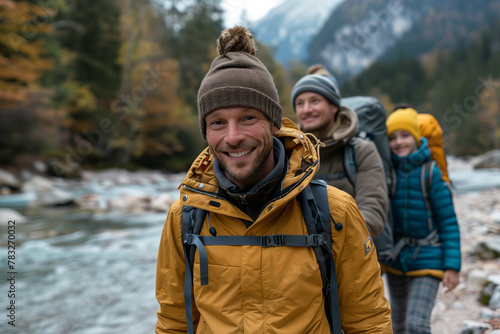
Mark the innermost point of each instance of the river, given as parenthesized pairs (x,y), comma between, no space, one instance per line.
(81,272)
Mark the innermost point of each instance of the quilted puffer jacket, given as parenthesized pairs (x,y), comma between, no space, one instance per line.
(413,219)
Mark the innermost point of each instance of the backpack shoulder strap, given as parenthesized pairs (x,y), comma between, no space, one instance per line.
(316,212)
(350,161)
(314,204)
(426,181)
(192,221)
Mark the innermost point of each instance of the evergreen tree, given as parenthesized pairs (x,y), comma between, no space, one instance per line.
(91,38)
(195,45)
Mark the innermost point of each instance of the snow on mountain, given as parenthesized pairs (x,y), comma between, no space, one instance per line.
(289,27)
(349,48)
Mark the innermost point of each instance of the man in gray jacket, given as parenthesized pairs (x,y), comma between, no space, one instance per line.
(316,100)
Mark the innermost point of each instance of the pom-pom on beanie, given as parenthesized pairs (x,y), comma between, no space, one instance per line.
(238,79)
(320,69)
(404,119)
(318,80)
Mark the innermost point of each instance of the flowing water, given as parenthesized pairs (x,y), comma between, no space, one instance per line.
(94,273)
(84,272)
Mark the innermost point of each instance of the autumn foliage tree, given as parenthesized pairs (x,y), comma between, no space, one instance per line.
(28,123)
(21,50)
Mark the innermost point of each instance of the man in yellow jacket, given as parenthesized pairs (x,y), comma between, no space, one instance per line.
(249,180)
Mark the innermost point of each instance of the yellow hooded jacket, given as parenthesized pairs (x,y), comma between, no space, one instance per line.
(255,289)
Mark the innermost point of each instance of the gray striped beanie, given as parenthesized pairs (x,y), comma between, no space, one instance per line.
(318,84)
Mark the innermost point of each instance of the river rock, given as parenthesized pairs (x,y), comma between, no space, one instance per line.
(53,197)
(488,289)
(7,215)
(47,194)
(161,203)
(130,204)
(93,202)
(494,303)
(37,183)
(9,180)
(490,159)
(474,327)
(487,249)
(486,314)
(495,216)
(476,278)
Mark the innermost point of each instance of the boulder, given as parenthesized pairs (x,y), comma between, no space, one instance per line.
(9,180)
(494,303)
(476,278)
(486,314)
(488,249)
(92,202)
(7,215)
(488,289)
(37,184)
(490,159)
(53,197)
(495,216)
(474,327)
(161,203)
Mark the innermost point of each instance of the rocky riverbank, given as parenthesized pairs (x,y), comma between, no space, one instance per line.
(479,218)
(457,312)
(460,311)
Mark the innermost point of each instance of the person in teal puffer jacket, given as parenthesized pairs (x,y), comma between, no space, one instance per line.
(426,233)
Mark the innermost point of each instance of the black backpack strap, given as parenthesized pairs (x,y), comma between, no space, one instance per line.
(314,202)
(275,240)
(192,221)
(316,212)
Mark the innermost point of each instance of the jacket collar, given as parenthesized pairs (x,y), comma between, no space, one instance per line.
(344,128)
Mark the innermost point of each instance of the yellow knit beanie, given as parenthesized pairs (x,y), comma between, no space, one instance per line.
(404,119)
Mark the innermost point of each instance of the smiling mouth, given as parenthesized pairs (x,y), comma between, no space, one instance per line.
(308,118)
(239,154)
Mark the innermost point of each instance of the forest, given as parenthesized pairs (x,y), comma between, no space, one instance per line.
(114,84)
(459,87)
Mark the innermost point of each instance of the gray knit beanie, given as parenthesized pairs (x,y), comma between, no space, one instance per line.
(317,83)
(238,79)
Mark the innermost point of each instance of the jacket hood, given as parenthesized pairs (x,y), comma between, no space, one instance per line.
(344,128)
(413,160)
(300,150)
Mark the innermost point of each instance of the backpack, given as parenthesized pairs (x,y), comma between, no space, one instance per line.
(371,126)
(314,204)
(430,129)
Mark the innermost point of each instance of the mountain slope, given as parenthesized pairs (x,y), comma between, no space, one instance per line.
(359,31)
(289,27)
(446,25)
